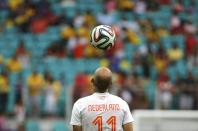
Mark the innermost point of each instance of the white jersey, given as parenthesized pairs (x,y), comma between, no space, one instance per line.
(101,112)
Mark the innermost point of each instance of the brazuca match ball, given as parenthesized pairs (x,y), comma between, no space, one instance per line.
(102,37)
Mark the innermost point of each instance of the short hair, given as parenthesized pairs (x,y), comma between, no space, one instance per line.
(102,83)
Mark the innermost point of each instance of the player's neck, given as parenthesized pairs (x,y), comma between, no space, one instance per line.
(102,92)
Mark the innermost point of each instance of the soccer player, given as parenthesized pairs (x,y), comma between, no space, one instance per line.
(101,111)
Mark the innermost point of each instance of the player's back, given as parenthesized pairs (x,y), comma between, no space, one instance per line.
(101,112)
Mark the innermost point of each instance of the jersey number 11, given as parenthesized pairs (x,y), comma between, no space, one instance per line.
(111,121)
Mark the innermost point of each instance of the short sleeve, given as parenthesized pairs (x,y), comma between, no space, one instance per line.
(127,115)
(75,118)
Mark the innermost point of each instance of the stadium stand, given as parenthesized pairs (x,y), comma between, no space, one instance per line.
(45,51)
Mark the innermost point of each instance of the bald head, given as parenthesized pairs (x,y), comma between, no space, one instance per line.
(103,72)
(102,79)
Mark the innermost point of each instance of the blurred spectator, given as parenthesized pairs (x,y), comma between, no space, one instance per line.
(140,7)
(19,113)
(175,53)
(105,18)
(191,8)
(130,25)
(190,28)
(126,94)
(176,25)
(80,87)
(165,87)
(187,93)
(39,25)
(14,4)
(131,36)
(146,66)
(149,30)
(178,7)
(20,51)
(142,28)
(57,49)
(63,80)
(35,85)
(45,17)
(3,4)
(118,50)
(79,20)
(67,32)
(4,91)
(52,90)
(46,75)
(133,93)
(1,61)
(90,19)
(152,5)
(77,45)
(14,65)
(125,5)
(3,122)
(161,60)
(165,2)
(115,64)
(19,89)
(80,44)
(162,32)
(110,5)
(192,61)
(23,55)
(191,44)
(140,100)
(82,31)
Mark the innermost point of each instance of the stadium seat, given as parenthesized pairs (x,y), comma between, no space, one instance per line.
(129,50)
(179,39)
(195,71)
(181,68)
(62,102)
(165,8)
(11,100)
(32,125)
(12,30)
(91,65)
(3,15)
(79,65)
(53,1)
(57,8)
(60,126)
(150,88)
(153,73)
(172,73)
(186,3)
(138,70)
(166,42)
(70,11)
(7,53)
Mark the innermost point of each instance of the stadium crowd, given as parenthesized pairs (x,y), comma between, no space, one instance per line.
(155,58)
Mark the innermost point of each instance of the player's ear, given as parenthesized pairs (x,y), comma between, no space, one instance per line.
(92,80)
(111,82)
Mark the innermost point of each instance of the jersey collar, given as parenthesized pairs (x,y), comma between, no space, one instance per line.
(101,94)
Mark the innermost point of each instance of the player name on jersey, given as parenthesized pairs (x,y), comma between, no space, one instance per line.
(103,107)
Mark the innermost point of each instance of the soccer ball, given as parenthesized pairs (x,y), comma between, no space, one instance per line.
(102,37)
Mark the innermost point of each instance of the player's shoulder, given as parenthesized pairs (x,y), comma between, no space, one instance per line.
(82,100)
(123,104)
